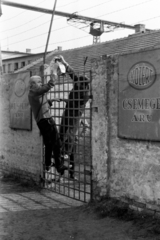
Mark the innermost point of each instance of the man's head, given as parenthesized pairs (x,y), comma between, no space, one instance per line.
(35,82)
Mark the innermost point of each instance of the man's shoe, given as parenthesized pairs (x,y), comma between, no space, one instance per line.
(62,169)
(48,168)
(65,157)
(72,177)
(48,176)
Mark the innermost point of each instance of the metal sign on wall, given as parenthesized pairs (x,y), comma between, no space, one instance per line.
(20,111)
(139,95)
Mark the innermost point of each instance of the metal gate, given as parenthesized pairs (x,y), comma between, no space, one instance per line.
(71,110)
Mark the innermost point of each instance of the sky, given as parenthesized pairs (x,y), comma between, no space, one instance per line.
(22,29)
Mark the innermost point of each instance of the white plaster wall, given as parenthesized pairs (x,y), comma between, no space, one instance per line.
(99,126)
(19,149)
(135,165)
(122,168)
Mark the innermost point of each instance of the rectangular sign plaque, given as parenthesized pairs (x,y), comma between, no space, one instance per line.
(20,111)
(139,95)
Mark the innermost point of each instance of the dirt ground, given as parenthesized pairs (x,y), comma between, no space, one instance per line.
(74,223)
(104,220)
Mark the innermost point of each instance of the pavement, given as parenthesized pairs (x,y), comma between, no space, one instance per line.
(16,196)
(24,209)
(31,213)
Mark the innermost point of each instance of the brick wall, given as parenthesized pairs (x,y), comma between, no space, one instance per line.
(20,150)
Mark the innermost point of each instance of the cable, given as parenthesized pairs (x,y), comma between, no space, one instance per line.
(56,18)
(33,19)
(36,36)
(96,5)
(52,31)
(89,35)
(67,4)
(148,19)
(22,25)
(59,42)
(73,39)
(126,8)
(65,27)
(80,11)
(25,31)
(55,42)
(19,13)
(145,20)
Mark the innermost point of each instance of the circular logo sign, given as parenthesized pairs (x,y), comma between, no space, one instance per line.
(141,75)
(19,88)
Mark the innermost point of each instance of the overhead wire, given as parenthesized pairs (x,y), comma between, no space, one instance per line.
(119,10)
(37,26)
(36,36)
(85,36)
(96,5)
(22,24)
(73,39)
(35,5)
(110,13)
(55,19)
(148,19)
(20,13)
(48,21)
(25,31)
(35,19)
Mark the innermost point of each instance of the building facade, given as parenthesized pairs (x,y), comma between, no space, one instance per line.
(12,61)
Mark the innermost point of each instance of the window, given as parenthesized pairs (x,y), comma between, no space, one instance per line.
(15,66)
(22,64)
(9,67)
(4,68)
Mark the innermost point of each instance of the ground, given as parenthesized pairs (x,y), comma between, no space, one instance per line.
(29,213)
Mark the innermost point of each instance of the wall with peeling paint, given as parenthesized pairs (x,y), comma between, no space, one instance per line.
(99,125)
(20,150)
(123,168)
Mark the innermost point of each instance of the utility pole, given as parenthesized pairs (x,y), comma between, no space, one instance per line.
(0,8)
(49,32)
(1,67)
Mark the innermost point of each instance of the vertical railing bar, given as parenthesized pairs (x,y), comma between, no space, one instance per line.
(74,147)
(57,121)
(54,114)
(69,189)
(78,156)
(91,193)
(84,152)
(64,177)
(84,71)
